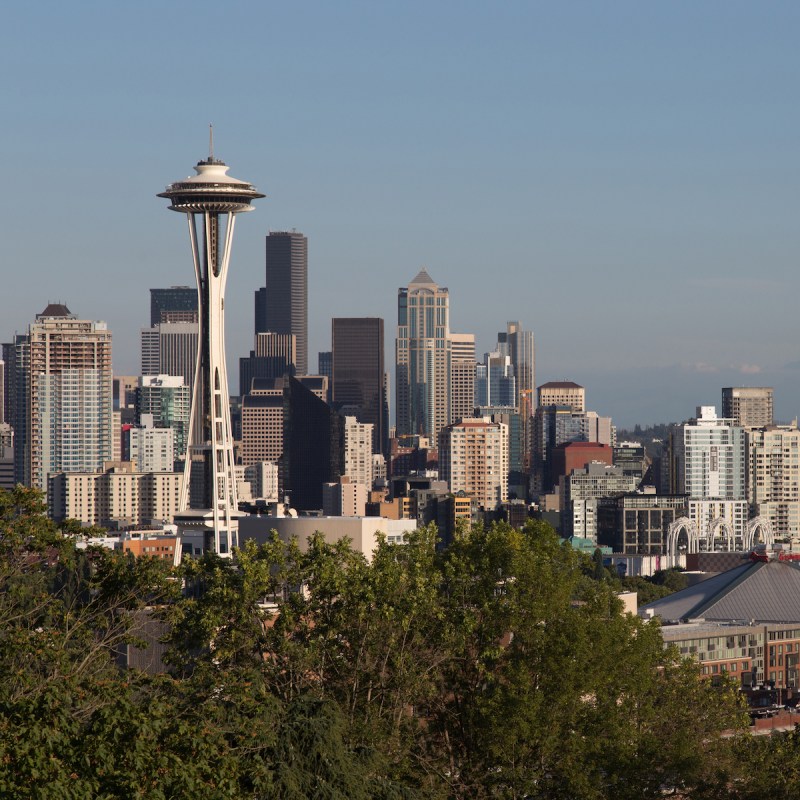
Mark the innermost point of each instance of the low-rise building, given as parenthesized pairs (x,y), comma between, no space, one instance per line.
(120,492)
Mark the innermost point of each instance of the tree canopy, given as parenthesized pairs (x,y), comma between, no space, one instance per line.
(494,668)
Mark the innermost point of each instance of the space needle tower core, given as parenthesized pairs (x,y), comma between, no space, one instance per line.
(211,199)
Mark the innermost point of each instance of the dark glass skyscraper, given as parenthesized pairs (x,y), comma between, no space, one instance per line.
(313,443)
(282,306)
(175,299)
(358,373)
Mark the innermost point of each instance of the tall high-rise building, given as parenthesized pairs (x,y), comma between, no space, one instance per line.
(710,457)
(8,352)
(358,373)
(282,305)
(495,383)
(211,198)
(473,458)
(16,355)
(181,299)
(748,406)
(709,463)
(423,357)
(313,443)
(518,345)
(773,476)
(67,380)
(462,376)
(358,438)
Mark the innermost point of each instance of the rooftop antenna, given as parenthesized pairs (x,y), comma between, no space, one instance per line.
(210,142)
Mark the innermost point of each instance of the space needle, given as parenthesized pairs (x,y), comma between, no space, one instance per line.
(211,199)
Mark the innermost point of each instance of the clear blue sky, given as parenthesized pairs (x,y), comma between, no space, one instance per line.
(620,176)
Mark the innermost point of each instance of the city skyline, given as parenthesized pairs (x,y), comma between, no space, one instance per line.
(630,167)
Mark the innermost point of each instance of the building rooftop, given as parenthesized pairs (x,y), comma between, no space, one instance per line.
(56,310)
(561,385)
(582,446)
(755,591)
(423,277)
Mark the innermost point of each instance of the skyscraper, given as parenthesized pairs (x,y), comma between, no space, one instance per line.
(181,299)
(213,198)
(313,438)
(518,344)
(16,356)
(357,373)
(67,380)
(274,356)
(282,306)
(495,384)
(423,357)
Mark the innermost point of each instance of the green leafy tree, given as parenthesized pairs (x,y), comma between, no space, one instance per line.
(496,668)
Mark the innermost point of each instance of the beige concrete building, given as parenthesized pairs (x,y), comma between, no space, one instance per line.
(462,376)
(119,492)
(561,393)
(748,406)
(363,532)
(773,476)
(473,458)
(262,427)
(358,451)
(344,499)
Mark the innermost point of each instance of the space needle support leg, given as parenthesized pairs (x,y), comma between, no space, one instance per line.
(192,436)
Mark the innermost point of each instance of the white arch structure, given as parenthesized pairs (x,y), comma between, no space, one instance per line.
(692,534)
(756,524)
(728,537)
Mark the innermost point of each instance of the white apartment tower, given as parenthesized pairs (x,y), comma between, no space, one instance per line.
(710,466)
(358,451)
(69,423)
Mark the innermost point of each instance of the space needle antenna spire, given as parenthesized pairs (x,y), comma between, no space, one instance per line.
(211,199)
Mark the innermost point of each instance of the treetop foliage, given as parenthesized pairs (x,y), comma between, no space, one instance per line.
(495,668)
